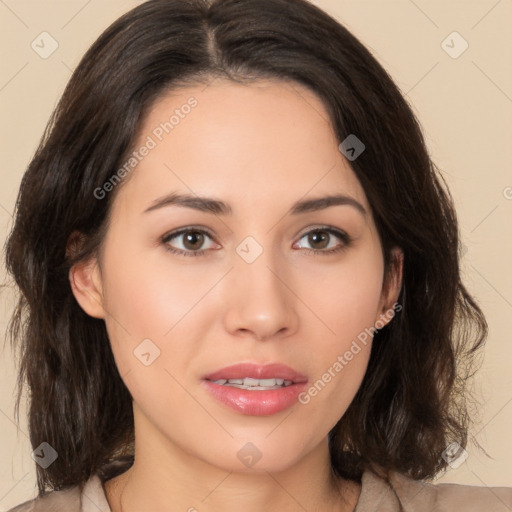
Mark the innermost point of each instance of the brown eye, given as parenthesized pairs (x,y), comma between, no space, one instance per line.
(193,240)
(319,239)
(323,240)
(192,243)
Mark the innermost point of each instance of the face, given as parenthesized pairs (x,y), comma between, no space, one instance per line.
(187,291)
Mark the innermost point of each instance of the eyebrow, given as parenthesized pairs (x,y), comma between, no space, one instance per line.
(218,207)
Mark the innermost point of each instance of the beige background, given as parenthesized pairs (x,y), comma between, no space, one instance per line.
(464,105)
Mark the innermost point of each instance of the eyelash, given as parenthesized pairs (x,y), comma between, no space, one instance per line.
(347,240)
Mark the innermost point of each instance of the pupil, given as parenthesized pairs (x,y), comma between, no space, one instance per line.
(192,239)
(318,236)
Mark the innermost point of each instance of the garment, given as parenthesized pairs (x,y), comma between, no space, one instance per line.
(399,494)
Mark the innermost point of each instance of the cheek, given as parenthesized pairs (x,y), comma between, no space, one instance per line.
(345,298)
(347,302)
(147,292)
(336,380)
(150,298)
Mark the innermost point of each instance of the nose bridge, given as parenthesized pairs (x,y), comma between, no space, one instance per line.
(259,300)
(258,267)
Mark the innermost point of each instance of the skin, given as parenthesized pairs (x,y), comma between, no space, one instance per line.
(259,147)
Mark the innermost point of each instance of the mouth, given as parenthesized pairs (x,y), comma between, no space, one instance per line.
(254,389)
(254,384)
(250,372)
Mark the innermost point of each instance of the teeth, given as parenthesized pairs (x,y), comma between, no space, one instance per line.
(254,384)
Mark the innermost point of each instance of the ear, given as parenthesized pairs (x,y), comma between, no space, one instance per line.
(85,280)
(391,287)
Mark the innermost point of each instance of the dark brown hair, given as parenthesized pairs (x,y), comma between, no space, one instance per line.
(413,400)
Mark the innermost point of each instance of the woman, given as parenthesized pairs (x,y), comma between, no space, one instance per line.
(309,356)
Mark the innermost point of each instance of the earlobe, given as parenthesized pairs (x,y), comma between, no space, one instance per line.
(84,277)
(392,286)
(85,281)
(86,286)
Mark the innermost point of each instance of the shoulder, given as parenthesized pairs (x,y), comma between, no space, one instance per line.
(401,493)
(54,501)
(90,499)
(419,495)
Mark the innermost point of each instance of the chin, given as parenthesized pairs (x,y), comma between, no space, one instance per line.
(258,456)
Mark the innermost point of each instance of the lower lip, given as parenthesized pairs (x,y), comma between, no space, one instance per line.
(256,403)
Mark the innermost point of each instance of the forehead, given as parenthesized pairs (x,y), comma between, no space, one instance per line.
(264,141)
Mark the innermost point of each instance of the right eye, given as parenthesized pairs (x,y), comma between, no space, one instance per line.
(193,240)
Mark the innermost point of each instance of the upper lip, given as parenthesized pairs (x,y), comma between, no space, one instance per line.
(257,371)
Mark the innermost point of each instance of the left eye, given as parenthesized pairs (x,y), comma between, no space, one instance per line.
(321,235)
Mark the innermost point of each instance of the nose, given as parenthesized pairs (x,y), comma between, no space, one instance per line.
(259,299)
